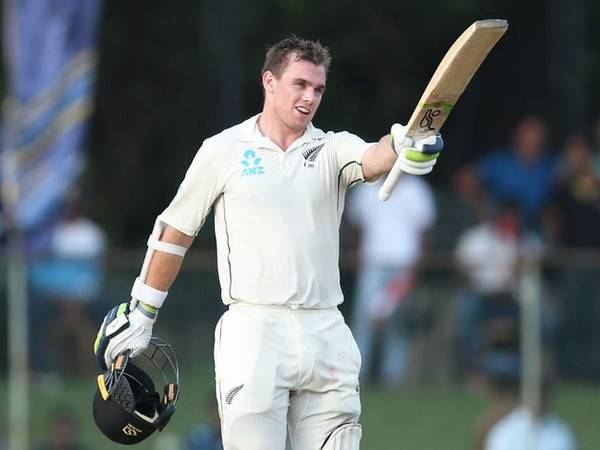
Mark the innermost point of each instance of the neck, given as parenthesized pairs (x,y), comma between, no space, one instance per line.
(273,128)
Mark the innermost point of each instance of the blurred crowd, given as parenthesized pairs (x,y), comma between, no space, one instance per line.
(528,202)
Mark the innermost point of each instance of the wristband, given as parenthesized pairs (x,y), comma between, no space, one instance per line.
(149,311)
(147,294)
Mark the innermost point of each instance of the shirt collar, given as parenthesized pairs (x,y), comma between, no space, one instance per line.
(249,132)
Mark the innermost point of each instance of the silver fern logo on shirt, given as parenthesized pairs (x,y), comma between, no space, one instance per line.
(310,155)
(251,164)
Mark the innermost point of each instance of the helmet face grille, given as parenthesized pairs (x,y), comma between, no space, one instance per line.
(123,395)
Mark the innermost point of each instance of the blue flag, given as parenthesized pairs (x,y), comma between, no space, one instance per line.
(50,66)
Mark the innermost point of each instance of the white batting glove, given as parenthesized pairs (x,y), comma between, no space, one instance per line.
(123,330)
(417,157)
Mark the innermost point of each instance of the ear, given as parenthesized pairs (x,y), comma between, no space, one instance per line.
(268,80)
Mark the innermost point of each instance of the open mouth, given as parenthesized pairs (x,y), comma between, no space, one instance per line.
(303,110)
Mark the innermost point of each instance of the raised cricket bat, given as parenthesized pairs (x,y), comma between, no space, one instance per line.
(447,84)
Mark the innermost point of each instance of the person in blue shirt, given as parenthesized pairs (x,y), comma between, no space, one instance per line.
(524,172)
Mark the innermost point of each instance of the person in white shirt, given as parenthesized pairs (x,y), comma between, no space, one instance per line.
(283,354)
(391,243)
(508,424)
(519,431)
(488,256)
(66,280)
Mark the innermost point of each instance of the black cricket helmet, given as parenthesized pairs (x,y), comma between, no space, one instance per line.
(126,407)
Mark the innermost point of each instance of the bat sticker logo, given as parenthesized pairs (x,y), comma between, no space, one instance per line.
(427,119)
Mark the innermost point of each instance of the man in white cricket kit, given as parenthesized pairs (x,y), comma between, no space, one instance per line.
(285,361)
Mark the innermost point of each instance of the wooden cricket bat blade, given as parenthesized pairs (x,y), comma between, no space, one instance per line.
(447,84)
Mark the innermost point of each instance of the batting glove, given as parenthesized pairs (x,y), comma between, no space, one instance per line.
(124,330)
(417,157)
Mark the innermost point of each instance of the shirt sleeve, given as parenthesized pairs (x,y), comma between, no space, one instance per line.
(348,153)
(201,186)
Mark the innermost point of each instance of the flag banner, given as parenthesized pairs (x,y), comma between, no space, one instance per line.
(50,54)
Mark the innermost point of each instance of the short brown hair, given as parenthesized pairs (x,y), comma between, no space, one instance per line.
(276,59)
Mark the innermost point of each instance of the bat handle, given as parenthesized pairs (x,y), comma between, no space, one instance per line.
(385,191)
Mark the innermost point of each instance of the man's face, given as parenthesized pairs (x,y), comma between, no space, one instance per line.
(295,97)
(530,139)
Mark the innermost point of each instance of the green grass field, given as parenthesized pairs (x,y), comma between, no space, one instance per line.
(410,418)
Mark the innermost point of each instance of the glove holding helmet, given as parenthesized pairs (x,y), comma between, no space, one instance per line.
(126,408)
(124,330)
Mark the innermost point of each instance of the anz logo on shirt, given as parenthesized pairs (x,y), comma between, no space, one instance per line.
(251,164)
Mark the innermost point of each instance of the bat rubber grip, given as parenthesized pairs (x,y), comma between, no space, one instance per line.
(385,191)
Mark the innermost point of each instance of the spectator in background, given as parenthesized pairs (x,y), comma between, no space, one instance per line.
(575,209)
(67,280)
(500,374)
(522,430)
(523,173)
(391,243)
(207,434)
(488,257)
(574,218)
(506,424)
(63,432)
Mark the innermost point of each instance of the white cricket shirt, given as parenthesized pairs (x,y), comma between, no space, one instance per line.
(277,214)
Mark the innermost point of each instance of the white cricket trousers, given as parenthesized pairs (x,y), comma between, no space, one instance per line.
(284,370)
